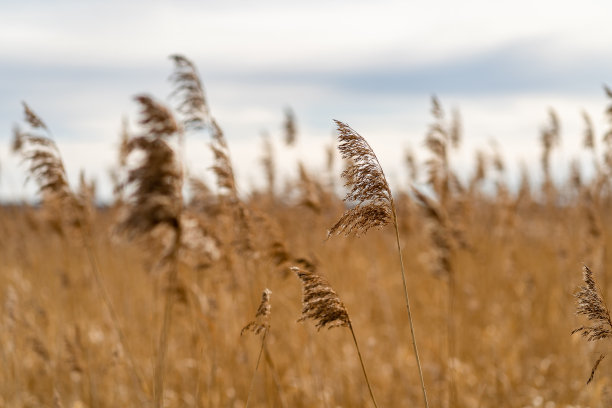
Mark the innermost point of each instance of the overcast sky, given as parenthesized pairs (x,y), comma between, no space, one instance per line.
(374,65)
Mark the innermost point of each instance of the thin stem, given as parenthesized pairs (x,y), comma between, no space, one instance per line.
(163,337)
(452,387)
(268,358)
(263,342)
(414,344)
(365,374)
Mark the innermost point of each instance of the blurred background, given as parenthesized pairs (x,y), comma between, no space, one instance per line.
(374,65)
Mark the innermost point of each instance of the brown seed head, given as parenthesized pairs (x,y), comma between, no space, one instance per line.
(591,304)
(157,179)
(320,302)
(367,186)
(190,92)
(262,317)
(156,119)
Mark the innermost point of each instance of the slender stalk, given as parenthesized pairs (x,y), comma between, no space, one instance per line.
(452,386)
(163,337)
(407,299)
(263,343)
(365,374)
(268,358)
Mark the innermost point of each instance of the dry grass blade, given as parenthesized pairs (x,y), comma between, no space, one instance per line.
(320,302)
(262,317)
(591,304)
(367,186)
(595,366)
(190,91)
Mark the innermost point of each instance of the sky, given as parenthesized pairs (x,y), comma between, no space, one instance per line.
(374,65)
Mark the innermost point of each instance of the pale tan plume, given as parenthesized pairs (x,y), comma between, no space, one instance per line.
(262,317)
(320,302)
(366,183)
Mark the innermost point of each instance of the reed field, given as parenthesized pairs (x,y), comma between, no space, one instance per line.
(449,291)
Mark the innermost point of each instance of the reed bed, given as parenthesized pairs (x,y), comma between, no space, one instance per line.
(142,301)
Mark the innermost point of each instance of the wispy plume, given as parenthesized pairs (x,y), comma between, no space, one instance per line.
(157,179)
(320,302)
(590,303)
(262,317)
(190,93)
(367,185)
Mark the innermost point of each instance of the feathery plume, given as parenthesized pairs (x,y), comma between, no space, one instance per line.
(190,91)
(320,302)
(591,304)
(411,164)
(33,119)
(549,137)
(589,133)
(367,185)
(157,180)
(290,127)
(262,317)
(268,163)
(46,168)
(222,166)
(440,235)
(156,119)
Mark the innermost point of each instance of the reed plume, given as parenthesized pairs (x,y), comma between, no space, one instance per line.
(368,187)
(591,304)
(550,138)
(268,163)
(156,201)
(190,91)
(290,127)
(261,324)
(322,304)
(440,139)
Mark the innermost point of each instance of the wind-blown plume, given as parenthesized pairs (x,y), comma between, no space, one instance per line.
(45,165)
(190,91)
(591,304)
(262,317)
(290,127)
(320,302)
(222,166)
(367,186)
(156,198)
(440,233)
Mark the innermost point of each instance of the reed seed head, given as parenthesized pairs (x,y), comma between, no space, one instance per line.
(320,302)
(262,317)
(190,92)
(367,185)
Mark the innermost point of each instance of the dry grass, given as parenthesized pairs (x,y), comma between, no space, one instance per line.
(514,258)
